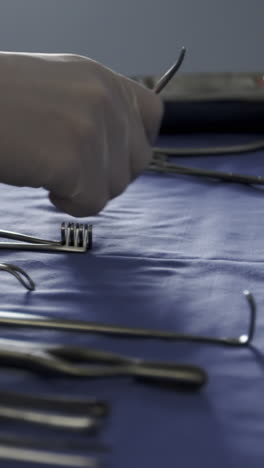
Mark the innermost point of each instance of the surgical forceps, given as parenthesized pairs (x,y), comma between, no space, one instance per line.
(74,238)
(40,321)
(160,162)
(63,360)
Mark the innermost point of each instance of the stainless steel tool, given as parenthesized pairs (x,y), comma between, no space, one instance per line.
(162,156)
(19,274)
(40,321)
(40,457)
(165,79)
(74,444)
(50,419)
(94,363)
(74,238)
(53,403)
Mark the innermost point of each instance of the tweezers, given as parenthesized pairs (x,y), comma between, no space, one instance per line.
(62,360)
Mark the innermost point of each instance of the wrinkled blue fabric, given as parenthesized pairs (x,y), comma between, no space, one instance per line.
(173,252)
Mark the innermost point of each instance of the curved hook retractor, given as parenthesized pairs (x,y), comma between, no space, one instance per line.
(164,80)
(242,340)
(246,339)
(20,274)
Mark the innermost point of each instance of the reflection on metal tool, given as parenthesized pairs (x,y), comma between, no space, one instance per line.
(56,420)
(78,405)
(74,444)
(20,274)
(74,238)
(40,321)
(68,414)
(165,79)
(26,455)
(93,363)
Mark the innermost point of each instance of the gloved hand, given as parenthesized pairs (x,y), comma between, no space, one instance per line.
(74,127)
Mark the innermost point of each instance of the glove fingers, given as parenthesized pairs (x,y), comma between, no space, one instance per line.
(90,190)
(81,205)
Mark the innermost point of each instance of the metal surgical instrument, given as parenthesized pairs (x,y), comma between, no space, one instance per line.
(74,238)
(256,145)
(52,419)
(26,455)
(40,321)
(93,363)
(92,407)
(20,274)
(160,162)
(53,443)
(165,79)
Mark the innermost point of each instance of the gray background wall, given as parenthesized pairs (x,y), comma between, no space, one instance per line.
(140,36)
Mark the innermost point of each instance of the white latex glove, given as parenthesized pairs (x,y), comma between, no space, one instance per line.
(74,127)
